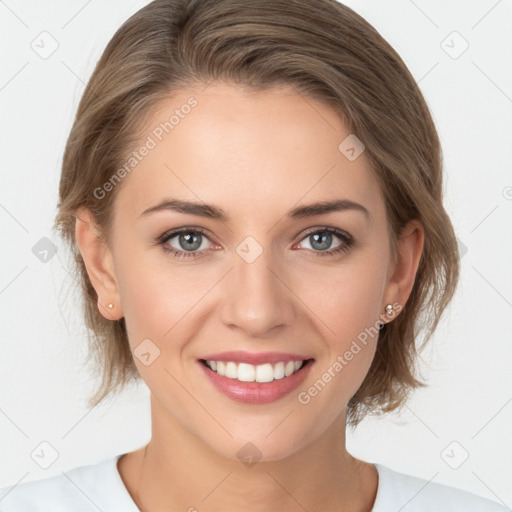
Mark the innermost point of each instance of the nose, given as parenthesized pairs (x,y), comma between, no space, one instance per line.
(256,298)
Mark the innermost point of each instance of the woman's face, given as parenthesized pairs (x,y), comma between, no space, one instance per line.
(264,282)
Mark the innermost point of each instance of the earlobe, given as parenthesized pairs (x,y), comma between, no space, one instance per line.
(98,263)
(410,249)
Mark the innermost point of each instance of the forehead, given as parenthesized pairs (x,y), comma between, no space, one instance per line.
(254,153)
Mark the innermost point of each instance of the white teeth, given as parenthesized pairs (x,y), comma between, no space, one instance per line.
(279,371)
(264,373)
(289,368)
(221,368)
(245,372)
(231,371)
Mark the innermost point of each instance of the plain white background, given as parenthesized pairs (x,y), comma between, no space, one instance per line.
(466,411)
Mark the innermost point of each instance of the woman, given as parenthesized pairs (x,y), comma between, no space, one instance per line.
(253,195)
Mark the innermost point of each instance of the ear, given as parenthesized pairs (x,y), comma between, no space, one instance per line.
(403,273)
(99,264)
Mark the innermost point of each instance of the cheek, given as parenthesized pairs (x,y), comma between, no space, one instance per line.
(351,314)
(147,294)
(349,310)
(346,300)
(161,300)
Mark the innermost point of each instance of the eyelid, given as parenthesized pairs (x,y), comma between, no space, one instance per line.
(337,231)
(347,241)
(315,229)
(171,233)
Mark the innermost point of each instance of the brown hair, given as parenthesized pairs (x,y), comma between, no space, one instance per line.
(321,48)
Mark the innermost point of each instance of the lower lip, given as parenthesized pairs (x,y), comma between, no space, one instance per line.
(257,392)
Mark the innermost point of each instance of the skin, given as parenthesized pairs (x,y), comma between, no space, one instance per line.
(256,155)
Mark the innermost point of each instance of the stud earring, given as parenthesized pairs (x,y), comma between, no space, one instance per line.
(110,306)
(389,310)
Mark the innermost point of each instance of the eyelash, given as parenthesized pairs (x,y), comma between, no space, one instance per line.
(347,242)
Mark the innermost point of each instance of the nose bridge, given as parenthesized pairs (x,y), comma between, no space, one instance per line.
(256,300)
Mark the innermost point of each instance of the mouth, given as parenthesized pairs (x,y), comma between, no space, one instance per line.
(261,383)
(262,373)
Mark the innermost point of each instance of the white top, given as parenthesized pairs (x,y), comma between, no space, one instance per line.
(99,487)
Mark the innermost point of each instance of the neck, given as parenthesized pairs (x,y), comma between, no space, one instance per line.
(176,471)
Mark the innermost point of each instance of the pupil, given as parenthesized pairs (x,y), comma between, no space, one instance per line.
(325,240)
(193,240)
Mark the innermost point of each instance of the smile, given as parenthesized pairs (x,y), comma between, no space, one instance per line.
(256,383)
(245,372)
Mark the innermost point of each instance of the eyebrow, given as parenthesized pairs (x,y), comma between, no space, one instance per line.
(215,212)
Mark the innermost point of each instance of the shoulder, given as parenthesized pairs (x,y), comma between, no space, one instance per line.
(399,491)
(86,488)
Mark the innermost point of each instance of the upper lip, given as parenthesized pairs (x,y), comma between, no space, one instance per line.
(238,356)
